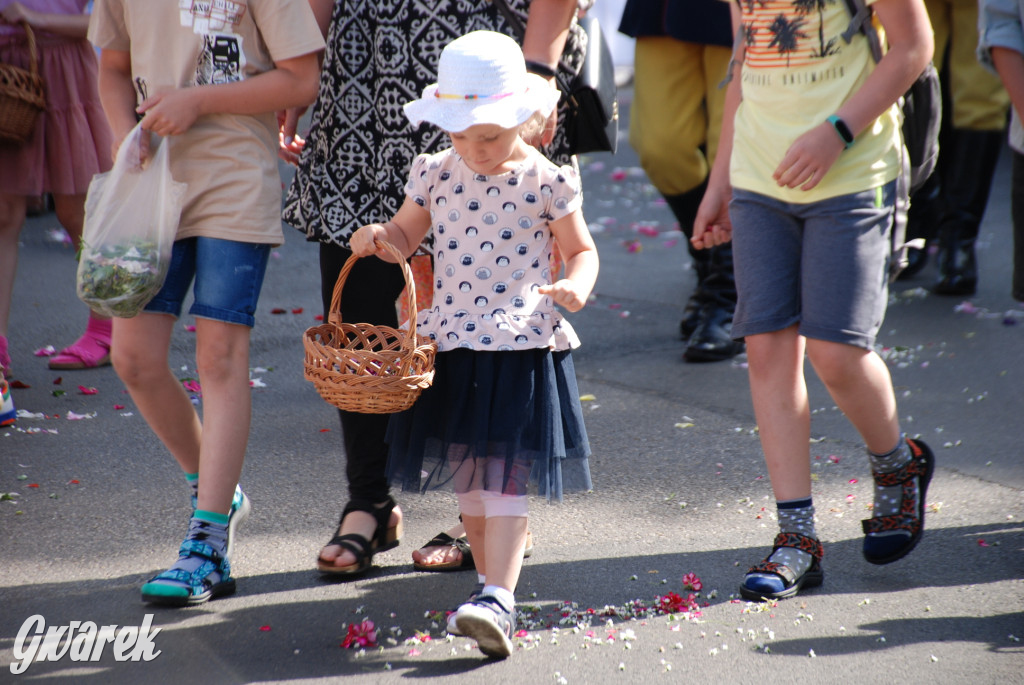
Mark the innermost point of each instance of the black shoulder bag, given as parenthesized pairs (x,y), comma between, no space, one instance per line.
(592,124)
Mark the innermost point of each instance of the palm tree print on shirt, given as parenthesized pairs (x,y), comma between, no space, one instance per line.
(808,6)
(780,33)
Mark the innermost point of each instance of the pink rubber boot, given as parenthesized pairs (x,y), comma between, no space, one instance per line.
(5,357)
(89,351)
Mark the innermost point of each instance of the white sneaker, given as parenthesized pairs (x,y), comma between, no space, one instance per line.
(490,623)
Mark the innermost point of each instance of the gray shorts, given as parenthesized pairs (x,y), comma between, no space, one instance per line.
(822,265)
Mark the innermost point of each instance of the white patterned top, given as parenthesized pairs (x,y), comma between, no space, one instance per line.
(492,251)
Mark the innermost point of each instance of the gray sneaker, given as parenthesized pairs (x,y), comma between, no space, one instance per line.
(490,623)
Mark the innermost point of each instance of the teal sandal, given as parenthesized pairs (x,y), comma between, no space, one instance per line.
(177,587)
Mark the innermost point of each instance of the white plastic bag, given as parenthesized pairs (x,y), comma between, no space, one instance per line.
(131,218)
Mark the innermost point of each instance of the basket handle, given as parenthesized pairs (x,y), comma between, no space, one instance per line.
(33,66)
(409,341)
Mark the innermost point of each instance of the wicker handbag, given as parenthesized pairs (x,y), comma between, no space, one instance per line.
(22,96)
(365,368)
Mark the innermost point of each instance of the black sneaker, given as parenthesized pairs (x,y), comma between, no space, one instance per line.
(490,623)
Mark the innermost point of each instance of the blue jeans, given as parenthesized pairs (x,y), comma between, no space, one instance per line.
(228,277)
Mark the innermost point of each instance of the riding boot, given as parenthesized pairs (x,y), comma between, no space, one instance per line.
(684,207)
(712,340)
(969,167)
(923,217)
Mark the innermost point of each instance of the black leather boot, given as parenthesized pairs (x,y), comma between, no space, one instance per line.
(924,215)
(712,340)
(684,207)
(967,179)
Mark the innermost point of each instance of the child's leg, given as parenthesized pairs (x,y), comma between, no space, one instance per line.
(859,382)
(489,618)
(140,359)
(504,539)
(781,408)
(93,347)
(861,386)
(222,359)
(12,217)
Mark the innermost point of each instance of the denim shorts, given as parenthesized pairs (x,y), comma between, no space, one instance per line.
(228,277)
(821,265)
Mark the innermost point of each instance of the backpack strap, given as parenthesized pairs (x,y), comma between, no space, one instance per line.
(736,42)
(860,22)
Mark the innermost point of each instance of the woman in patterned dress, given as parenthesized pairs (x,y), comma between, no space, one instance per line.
(351,171)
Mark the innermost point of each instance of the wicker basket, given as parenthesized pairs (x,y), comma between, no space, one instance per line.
(22,96)
(365,368)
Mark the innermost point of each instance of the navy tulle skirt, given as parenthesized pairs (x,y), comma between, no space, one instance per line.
(495,421)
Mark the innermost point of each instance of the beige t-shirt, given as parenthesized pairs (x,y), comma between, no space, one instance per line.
(797,71)
(229,161)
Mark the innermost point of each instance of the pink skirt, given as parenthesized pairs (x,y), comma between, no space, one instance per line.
(72,140)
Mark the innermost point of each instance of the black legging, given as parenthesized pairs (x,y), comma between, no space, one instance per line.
(368,296)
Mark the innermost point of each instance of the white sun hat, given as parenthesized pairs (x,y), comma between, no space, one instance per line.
(482,79)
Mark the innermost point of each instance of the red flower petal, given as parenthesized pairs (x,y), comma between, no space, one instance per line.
(277,310)
(297,310)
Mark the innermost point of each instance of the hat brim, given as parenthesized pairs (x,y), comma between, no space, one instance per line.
(455,116)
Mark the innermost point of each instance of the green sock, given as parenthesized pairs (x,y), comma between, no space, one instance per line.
(193,482)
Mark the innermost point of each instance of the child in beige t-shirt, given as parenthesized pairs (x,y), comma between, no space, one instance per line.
(207,77)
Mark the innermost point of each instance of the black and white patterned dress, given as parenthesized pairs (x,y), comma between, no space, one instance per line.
(380,55)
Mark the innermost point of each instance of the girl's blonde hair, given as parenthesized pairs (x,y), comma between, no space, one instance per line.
(533,126)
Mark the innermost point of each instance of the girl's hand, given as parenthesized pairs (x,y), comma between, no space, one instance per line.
(363,241)
(290,144)
(712,225)
(566,294)
(809,158)
(136,161)
(16,12)
(172,112)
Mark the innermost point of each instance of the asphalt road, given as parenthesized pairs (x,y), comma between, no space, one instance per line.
(96,506)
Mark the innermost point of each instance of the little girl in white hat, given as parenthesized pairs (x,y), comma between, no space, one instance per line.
(504,408)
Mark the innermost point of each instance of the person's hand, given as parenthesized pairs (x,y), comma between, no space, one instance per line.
(712,225)
(565,293)
(809,158)
(290,144)
(363,242)
(546,135)
(15,13)
(137,160)
(170,112)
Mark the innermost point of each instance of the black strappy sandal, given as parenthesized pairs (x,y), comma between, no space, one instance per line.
(385,537)
(812,577)
(910,519)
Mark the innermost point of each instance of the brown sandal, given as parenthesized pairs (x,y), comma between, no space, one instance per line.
(465,560)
